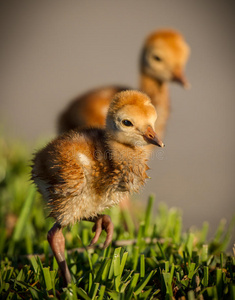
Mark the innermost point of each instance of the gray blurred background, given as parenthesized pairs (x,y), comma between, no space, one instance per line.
(51,51)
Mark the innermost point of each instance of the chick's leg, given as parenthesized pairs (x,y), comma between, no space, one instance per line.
(57,242)
(102,222)
(125,204)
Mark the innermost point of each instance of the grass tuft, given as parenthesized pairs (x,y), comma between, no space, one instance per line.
(157,260)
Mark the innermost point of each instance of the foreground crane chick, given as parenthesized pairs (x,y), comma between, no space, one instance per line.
(163,59)
(81,173)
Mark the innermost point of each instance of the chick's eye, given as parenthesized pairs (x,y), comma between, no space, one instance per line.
(127,123)
(157,58)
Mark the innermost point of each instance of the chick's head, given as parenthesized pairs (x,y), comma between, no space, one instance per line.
(131,118)
(164,56)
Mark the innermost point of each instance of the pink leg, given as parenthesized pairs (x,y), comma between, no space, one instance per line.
(57,242)
(102,222)
(125,204)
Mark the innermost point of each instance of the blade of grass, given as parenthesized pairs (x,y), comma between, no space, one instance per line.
(142,266)
(191,269)
(232,291)
(135,257)
(212,293)
(90,282)
(154,294)
(101,269)
(189,244)
(129,222)
(172,272)
(83,294)
(167,266)
(106,271)
(127,276)
(123,262)
(101,292)
(220,231)
(47,278)
(204,255)
(46,251)
(145,295)
(132,286)
(7,273)
(205,279)
(53,277)
(191,295)
(221,260)
(94,290)
(54,264)
(219,282)
(168,283)
(34,264)
(24,216)
(116,271)
(225,241)
(116,254)
(151,261)
(116,262)
(143,283)
(140,237)
(85,237)
(107,252)
(123,286)
(148,215)
(161,250)
(114,295)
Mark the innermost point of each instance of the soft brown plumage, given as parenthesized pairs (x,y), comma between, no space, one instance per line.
(163,59)
(81,173)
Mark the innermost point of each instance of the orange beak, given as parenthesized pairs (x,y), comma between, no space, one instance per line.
(151,137)
(179,77)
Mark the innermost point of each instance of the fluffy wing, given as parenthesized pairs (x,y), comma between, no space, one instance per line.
(59,176)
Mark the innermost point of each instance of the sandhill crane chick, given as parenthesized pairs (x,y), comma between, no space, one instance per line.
(81,173)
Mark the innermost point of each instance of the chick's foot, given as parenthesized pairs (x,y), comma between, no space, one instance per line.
(103,222)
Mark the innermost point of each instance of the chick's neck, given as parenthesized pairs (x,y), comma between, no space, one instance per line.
(130,163)
(159,95)
(127,154)
(157,90)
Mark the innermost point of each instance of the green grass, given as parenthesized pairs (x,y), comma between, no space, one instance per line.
(157,260)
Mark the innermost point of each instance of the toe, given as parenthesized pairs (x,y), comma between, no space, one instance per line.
(97,228)
(108,227)
(104,222)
